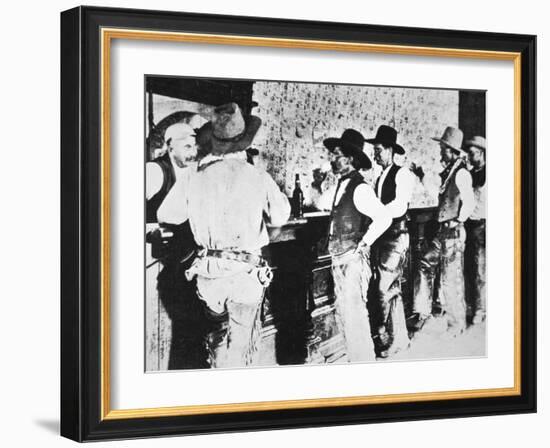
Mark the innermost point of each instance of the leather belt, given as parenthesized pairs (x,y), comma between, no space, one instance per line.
(245,257)
(396,228)
(451,224)
(399,225)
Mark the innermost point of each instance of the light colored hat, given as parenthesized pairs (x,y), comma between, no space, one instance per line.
(452,137)
(477,141)
(178,131)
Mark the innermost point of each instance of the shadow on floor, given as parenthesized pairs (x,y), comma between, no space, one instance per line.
(51,426)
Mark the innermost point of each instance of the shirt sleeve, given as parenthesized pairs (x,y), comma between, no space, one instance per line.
(404,185)
(174,208)
(366,202)
(277,207)
(464,184)
(326,198)
(154,178)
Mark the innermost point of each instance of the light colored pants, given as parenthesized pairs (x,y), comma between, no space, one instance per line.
(389,254)
(241,296)
(445,253)
(351,274)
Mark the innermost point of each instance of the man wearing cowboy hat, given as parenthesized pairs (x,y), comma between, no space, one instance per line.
(394,188)
(446,251)
(357,219)
(229,203)
(475,229)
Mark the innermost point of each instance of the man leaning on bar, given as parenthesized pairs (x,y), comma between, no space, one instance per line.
(357,219)
(445,252)
(228,203)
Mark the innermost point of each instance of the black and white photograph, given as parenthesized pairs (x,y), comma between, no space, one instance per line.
(292,223)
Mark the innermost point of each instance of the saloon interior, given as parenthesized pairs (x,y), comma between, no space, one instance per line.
(298,321)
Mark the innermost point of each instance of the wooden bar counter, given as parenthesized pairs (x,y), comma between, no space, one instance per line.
(300,325)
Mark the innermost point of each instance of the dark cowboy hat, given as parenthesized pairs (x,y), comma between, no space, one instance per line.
(351,144)
(387,136)
(228,131)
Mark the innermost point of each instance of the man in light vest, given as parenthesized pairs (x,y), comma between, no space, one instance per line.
(446,251)
(394,188)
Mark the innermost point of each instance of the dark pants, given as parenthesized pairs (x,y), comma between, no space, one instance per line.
(388,254)
(476,269)
(444,255)
(190,326)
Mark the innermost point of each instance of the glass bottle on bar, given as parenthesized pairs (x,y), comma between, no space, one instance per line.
(297,199)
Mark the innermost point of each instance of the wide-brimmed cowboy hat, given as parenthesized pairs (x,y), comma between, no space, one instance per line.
(227,131)
(387,136)
(351,144)
(477,141)
(452,137)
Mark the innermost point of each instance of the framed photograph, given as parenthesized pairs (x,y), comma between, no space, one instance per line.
(272,224)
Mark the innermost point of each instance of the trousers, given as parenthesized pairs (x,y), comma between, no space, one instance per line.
(444,255)
(241,295)
(475,274)
(351,274)
(388,257)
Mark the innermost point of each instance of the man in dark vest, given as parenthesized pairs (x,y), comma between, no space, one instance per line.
(446,251)
(174,247)
(475,229)
(161,173)
(394,189)
(357,219)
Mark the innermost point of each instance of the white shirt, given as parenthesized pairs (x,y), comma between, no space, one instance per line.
(480,195)
(228,205)
(326,198)
(464,183)
(367,203)
(404,185)
(154,176)
(312,196)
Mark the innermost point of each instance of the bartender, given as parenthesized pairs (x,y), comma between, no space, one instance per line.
(180,151)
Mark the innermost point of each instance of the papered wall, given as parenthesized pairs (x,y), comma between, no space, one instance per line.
(298,116)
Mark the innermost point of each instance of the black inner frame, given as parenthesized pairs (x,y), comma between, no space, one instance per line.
(81,223)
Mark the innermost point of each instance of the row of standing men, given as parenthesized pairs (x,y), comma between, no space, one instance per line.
(228,203)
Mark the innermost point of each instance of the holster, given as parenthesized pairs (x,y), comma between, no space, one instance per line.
(397,227)
(450,229)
